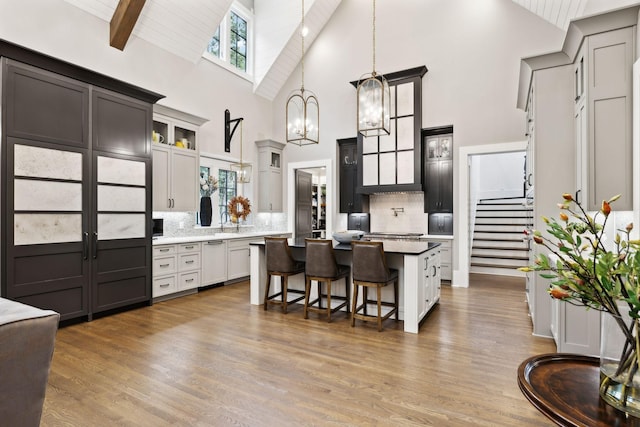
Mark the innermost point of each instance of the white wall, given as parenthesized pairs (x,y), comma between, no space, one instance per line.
(497,175)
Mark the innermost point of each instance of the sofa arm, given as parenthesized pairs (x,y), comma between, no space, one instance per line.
(27,338)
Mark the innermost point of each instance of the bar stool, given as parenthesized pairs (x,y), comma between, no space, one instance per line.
(280,263)
(370,270)
(321,267)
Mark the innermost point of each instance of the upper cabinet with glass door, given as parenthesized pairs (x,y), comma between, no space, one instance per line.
(393,162)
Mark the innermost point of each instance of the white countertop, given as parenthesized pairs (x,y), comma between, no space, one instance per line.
(216,236)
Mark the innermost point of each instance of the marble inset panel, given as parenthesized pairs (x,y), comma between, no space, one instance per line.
(121,226)
(404,127)
(369,145)
(112,198)
(370,169)
(34,229)
(387,168)
(31,195)
(120,171)
(388,142)
(405,99)
(405,167)
(47,163)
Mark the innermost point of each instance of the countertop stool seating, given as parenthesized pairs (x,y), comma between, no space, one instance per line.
(280,263)
(323,268)
(370,270)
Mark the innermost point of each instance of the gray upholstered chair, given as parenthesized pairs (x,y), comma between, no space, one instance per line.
(323,268)
(280,263)
(27,337)
(370,270)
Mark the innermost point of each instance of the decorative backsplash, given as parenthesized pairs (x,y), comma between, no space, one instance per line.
(398,212)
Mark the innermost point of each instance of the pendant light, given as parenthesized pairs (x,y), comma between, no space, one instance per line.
(373,98)
(303,111)
(242,170)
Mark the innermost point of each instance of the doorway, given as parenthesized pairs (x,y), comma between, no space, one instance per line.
(463,212)
(321,171)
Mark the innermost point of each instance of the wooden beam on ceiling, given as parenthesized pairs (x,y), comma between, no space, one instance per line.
(123,20)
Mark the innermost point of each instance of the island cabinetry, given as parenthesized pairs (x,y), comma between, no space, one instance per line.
(214,262)
(269,175)
(429,289)
(239,258)
(175,160)
(445,257)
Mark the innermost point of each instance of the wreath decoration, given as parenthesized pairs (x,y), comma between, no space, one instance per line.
(233,207)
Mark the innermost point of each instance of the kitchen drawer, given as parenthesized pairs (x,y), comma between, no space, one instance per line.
(189,247)
(189,261)
(164,265)
(164,285)
(188,280)
(164,250)
(445,272)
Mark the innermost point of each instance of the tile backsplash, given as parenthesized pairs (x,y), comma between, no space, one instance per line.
(398,212)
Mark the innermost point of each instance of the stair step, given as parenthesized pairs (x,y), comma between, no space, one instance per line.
(506,248)
(497,262)
(508,216)
(497,271)
(500,228)
(497,240)
(515,258)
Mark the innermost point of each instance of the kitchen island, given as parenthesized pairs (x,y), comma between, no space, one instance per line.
(417,262)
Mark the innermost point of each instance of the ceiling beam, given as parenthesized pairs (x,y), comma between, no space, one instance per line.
(123,20)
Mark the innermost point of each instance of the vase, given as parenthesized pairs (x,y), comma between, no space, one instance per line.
(205,211)
(619,377)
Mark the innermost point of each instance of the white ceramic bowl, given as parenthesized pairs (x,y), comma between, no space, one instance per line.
(348,235)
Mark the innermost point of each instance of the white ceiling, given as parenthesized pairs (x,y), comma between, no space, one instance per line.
(557,12)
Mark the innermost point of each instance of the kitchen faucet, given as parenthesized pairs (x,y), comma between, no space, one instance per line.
(222,214)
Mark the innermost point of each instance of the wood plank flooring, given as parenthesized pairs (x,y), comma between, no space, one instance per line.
(212,359)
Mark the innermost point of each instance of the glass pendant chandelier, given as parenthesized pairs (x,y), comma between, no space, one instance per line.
(242,170)
(373,98)
(303,110)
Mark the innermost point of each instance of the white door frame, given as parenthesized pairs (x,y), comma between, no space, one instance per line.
(291,191)
(461,239)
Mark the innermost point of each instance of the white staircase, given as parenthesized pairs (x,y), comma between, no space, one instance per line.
(499,246)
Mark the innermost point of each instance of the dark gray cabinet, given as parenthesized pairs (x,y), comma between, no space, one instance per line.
(76,174)
(438,172)
(350,200)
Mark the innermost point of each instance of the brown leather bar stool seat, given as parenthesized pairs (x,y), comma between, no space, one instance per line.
(280,263)
(321,267)
(370,270)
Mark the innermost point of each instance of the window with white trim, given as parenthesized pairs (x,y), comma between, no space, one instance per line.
(231,46)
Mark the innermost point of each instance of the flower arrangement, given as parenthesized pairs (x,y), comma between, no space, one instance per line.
(208,185)
(584,272)
(234,206)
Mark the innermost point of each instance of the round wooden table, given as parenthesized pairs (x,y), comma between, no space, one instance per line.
(564,387)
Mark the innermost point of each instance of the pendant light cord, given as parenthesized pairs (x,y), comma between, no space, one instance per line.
(374,38)
(302,38)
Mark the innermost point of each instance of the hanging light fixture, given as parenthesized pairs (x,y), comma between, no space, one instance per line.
(303,111)
(373,98)
(242,170)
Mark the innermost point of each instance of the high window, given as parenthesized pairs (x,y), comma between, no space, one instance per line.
(231,45)
(228,185)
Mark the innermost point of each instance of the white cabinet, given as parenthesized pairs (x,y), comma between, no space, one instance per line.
(445,257)
(429,287)
(575,329)
(175,160)
(214,262)
(175,179)
(176,268)
(603,118)
(239,258)
(269,175)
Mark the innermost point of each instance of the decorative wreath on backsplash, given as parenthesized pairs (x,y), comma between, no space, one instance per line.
(239,201)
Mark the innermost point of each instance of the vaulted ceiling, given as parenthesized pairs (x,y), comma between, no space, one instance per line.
(184,28)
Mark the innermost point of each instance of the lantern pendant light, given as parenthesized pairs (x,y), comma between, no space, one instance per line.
(373,98)
(242,170)
(303,110)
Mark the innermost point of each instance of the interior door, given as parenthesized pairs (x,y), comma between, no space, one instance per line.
(304,224)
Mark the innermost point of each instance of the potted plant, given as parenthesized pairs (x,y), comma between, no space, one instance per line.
(584,270)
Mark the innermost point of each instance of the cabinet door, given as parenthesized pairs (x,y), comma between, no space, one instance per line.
(161,178)
(270,188)
(238,261)
(214,262)
(432,187)
(446,185)
(121,124)
(184,180)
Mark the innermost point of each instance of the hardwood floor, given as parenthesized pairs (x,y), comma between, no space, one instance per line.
(212,359)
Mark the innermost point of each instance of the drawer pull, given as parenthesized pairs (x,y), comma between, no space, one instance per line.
(164,250)
(189,262)
(189,247)
(214,242)
(165,285)
(164,265)
(189,280)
